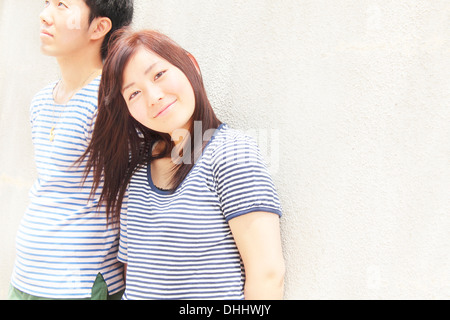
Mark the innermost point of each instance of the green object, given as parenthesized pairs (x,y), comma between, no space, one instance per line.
(99,292)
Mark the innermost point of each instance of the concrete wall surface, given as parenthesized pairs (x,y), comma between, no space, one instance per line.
(350,102)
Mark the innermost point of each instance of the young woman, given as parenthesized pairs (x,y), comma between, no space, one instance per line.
(202,220)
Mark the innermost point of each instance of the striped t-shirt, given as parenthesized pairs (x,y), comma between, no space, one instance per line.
(63,240)
(179,245)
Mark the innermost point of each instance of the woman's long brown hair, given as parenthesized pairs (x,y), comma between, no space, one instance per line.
(119,143)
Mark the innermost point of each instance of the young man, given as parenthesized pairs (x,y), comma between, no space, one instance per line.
(66,248)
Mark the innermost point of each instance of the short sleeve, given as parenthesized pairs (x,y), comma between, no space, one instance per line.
(122,254)
(242,180)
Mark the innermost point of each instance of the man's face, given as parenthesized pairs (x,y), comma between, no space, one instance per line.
(64,27)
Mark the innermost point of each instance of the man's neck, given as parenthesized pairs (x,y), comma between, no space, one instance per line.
(78,68)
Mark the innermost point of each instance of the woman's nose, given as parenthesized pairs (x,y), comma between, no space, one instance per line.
(154,95)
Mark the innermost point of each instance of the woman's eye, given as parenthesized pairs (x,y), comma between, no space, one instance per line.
(46,3)
(160,74)
(134,94)
(61,4)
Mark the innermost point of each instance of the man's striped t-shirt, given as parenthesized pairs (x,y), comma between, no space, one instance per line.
(63,240)
(179,245)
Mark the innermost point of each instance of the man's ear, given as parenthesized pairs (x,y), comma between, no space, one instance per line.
(100,27)
(194,61)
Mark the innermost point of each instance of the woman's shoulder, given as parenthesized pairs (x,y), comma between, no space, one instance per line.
(226,137)
(229,143)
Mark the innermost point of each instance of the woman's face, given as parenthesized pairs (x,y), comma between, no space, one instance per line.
(158,94)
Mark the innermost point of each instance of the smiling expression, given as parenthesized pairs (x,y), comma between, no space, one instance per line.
(157,94)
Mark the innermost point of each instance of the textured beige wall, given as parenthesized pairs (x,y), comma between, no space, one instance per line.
(350,101)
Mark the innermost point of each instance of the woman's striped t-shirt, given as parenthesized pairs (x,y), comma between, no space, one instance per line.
(63,240)
(179,245)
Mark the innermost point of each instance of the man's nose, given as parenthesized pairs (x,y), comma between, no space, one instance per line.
(45,16)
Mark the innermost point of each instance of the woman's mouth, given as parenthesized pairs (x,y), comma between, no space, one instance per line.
(165,110)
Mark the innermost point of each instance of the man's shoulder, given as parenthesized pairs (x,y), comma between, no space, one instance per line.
(45,91)
(85,98)
(43,97)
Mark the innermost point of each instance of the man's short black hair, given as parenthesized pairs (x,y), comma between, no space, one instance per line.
(120,12)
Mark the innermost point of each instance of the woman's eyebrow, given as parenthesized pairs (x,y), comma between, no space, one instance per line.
(150,68)
(126,87)
(146,71)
